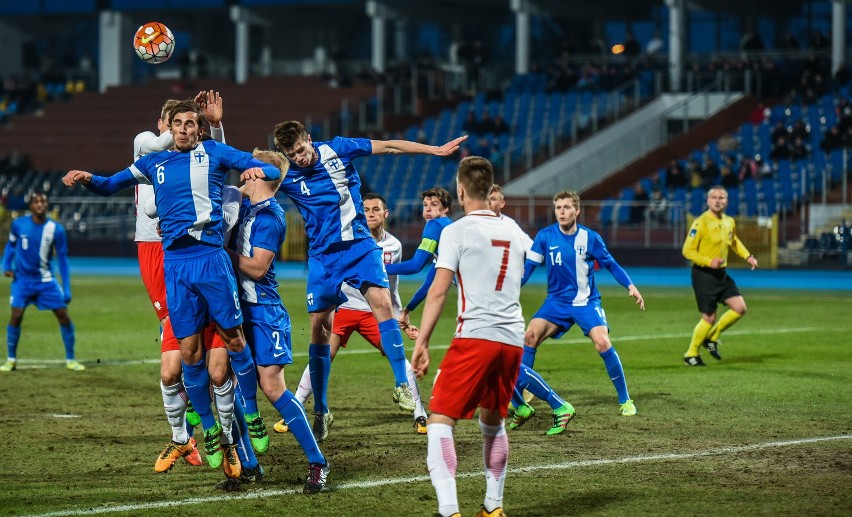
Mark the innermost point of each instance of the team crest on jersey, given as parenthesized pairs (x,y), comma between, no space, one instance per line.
(199,156)
(581,250)
(693,232)
(388,257)
(334,164)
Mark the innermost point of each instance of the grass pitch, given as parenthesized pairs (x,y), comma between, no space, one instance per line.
(768,430)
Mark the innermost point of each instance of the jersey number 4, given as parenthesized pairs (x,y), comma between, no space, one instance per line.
(504,264)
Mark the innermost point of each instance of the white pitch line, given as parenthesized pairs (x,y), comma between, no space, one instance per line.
(29,364)
(422,479)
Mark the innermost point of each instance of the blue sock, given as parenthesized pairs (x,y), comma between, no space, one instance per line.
(67,332)
(294,416)
(539,387)
(319,364)
(243,365)
(196,381)
(393,346)
(13,334)
(520,386)
(529,356)
(616,374)
(241,437)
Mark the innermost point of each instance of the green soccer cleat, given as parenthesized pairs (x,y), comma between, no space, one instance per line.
(257,432)
(628,408)
(192,416)
(522,414)
(402,396)
(8,366)
(74,366)
(213,446)
(561,417)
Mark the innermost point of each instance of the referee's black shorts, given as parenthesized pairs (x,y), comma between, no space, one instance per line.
(712,287)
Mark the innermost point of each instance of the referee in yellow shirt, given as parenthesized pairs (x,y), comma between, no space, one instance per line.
(710,238)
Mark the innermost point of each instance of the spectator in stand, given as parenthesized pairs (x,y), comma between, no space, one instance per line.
(819,41)
(751,43)
(470,124)
(788,42)
(799,130)
(709,172)
(799,150)
(631,45)
(675,176)
(656,181)
(728,143)
(780,149)
(833,140)
(500,126)
(639,205)
(778,130)
(729,180)
(658,210)
(486,124)
(759,114)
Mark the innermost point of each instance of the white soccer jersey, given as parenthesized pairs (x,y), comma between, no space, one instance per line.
(525,238)
(488,260)
(392,254)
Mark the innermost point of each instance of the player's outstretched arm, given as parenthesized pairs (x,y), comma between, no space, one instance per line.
(408,147)
(633,292)
(74,177)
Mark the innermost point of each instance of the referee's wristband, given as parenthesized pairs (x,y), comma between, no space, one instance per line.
(750,256)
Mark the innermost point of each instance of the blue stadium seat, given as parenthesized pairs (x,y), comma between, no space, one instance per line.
(695,203)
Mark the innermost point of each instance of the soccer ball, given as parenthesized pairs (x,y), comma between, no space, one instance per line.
(154,43)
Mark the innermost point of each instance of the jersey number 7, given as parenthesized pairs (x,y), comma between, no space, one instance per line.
(504,264)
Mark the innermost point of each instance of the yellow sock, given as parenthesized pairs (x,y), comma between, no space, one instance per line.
(698,336)
(726,320)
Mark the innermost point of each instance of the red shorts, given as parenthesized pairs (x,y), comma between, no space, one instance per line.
(475,373)
(151,268)
(169,342)
(347,321)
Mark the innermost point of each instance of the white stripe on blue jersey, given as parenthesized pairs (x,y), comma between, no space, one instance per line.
(199,173)
(261,226)
(327,194)
(570,263)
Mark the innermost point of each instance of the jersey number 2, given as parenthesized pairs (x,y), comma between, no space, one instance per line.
(504,264)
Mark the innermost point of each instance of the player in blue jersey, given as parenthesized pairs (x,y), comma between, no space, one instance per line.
(27,260)
(436,205)
(325,187)
(569,251)
(200,281)
(256,242)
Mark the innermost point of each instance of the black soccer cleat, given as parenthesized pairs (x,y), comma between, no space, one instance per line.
(694,361)
(317,476)
(713,348)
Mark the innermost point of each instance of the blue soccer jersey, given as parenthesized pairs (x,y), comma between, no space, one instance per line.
(30,250)
(188,187)
(570,263)
(328,194)
(262,225)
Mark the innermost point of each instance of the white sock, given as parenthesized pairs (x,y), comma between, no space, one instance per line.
(495,454)
(224,395)
(415,391)
(175,411)
(442,462)
(305,389)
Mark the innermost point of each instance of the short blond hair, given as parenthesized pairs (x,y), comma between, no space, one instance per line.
(275,158)
(567,194)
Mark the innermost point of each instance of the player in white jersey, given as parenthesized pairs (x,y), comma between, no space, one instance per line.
(355,315)
(496,202)
(481,365)
(149,252)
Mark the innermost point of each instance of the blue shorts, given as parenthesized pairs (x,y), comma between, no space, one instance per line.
(199,288)
(564,315)
(45,295)
(267,329)
(354,262)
